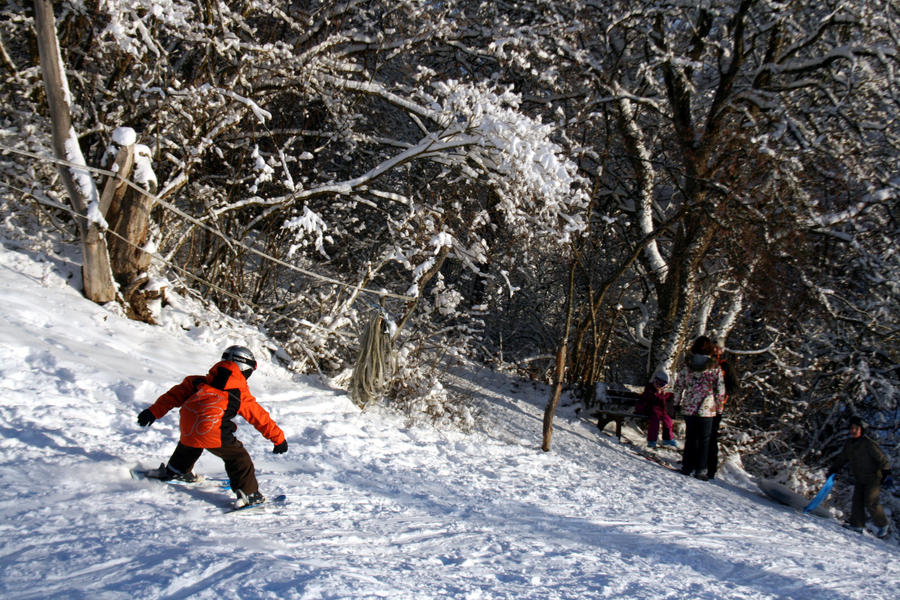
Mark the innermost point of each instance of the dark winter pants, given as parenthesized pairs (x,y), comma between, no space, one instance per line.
(695,456)
(865,498)
(238,464)
(713,457)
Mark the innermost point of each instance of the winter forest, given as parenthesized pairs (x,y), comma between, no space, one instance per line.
(565,190)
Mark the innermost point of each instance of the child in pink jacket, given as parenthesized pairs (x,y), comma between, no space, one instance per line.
(655,402)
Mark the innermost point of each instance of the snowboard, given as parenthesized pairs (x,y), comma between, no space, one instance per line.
(209,483)
(274,501)
(201,481)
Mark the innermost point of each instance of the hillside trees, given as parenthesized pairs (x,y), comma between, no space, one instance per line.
(721,167)
(737,115)
(322,136)
(735,139)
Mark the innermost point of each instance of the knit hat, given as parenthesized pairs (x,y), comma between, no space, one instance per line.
(854,420)
(661,377)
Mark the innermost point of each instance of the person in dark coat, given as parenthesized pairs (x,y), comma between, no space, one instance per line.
(871,471)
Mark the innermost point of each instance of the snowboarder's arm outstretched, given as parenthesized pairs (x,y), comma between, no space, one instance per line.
(257,416)
(176,396)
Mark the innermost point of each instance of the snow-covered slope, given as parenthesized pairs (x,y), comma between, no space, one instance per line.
(376,509)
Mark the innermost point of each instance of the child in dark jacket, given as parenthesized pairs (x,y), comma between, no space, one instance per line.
(656,402)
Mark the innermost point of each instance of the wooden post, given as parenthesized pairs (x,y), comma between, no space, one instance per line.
(114,187)
(550,410)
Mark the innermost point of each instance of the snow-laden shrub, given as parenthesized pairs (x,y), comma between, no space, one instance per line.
(539,189)
(417,392)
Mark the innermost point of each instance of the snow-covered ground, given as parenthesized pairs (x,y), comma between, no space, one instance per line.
(376,508)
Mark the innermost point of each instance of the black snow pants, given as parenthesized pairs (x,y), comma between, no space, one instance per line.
(238,464)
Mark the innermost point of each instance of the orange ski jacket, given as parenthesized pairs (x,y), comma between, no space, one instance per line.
(209,403)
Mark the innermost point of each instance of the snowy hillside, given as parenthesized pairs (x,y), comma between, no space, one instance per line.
(375,509)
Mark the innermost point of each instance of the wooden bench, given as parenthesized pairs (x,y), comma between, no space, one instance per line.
(618,405)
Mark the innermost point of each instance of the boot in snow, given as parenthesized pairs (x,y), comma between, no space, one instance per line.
(164,473)
(248,499)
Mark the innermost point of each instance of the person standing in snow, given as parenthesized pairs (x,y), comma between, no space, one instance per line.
(654,402)
(207,406)
(871,471)
(700,392)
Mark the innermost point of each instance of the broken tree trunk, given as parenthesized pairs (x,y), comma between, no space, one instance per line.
(127,211)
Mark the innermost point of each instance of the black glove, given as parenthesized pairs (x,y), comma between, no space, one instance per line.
(146,418)
(887,481)
(280,448)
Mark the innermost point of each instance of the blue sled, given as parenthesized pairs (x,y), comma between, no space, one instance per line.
(823,493)
(783,494)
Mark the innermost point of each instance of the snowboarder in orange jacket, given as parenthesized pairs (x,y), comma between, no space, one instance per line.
(207,406)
